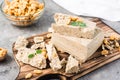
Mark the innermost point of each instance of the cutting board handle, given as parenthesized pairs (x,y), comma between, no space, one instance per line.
(54,76)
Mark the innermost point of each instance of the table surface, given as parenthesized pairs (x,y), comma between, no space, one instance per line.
(9,33)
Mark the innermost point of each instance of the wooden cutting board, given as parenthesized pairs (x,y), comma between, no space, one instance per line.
(96,61)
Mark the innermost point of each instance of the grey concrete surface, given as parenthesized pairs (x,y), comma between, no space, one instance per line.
(9,33)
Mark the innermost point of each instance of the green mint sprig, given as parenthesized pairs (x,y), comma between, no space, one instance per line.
(77,23)
(33,54)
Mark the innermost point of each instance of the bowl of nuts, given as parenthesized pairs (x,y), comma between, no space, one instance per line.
(23,12)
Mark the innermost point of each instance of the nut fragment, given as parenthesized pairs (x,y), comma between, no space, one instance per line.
(46,56)
(112,37)
(3,53)
(44,53)
(116,44)
(110,44)
(29,75)
(37,71)
(49,35)
(105,41)
(103,46)
(105,52)
(44,50)
(109,47)
(73,18)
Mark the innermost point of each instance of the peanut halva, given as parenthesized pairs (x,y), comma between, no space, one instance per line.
(80,48)
(72,65)
(55,62)
(77,27)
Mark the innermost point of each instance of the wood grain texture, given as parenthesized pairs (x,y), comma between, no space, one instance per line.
(94,62)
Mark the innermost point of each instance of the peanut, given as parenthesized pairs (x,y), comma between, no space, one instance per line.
(29,75)
(49,35)
(106,41)
(105,52)
(73,18)
(37,71)
(112,37)
(44,53)
(3,53)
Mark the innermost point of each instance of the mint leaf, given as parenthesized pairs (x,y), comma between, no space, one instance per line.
(31,55)
(77,23)
(73,23)
(82,24)
(38,51)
